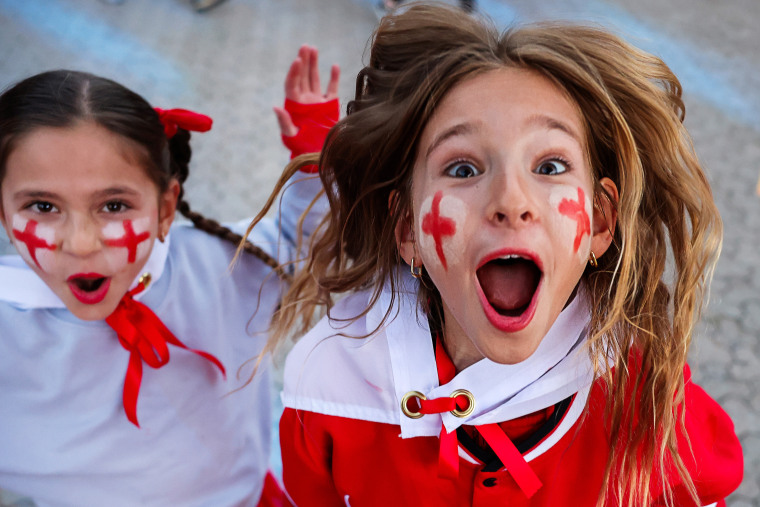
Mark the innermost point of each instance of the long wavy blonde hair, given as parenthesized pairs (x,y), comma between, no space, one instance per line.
(631,106)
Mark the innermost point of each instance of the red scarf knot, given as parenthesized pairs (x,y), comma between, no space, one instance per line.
(147,339)
(172,119)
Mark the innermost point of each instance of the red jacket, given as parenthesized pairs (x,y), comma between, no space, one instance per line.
(341,442)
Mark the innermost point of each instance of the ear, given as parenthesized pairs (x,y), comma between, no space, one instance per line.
(167,207)
(605,217)
(405,240)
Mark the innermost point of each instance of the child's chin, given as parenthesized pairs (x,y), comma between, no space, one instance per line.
(94,312)
(512,350)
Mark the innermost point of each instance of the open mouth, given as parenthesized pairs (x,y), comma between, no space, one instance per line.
(89,288)
(509,284)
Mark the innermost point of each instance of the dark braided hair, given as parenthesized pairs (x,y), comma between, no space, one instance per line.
(61,98)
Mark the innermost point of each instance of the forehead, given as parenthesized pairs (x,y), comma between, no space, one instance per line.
(85,153)
(506,99)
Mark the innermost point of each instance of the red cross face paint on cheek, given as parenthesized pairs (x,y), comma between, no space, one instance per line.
(576,210)
(129,240)
(31,239)
(438,226)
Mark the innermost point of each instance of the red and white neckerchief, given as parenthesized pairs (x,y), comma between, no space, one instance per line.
(139,330)
(147,339)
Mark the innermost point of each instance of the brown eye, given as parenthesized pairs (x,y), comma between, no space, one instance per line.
(43,207)
(114,207)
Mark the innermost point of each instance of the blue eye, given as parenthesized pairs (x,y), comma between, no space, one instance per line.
(462,170)
(115,207)
(551,167)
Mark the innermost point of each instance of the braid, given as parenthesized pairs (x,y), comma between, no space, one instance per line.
(213,227)
(179,149)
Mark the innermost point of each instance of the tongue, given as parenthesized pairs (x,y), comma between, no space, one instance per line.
(508,286)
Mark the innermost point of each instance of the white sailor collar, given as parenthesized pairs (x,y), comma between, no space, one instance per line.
(558,368)
(347,366)
(22,288)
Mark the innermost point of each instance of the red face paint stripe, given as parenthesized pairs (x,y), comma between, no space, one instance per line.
(437,226)
(33,242)
(130,240)
(577,211)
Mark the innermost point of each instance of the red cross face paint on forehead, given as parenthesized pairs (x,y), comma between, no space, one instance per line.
(128,239)
(438,226)
(576,210)
(25,232)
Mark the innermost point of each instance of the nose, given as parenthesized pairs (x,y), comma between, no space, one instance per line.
(82,236)
(510,201)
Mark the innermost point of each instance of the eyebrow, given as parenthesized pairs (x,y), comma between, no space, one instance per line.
(456,130)
(34,194)
(553,124)
(100,194)
(111,191)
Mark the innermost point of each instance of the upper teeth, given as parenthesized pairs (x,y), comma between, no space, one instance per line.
(511,256)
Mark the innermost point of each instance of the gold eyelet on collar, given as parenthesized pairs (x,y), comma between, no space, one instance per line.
(405,409)
(145,279)
(470,405)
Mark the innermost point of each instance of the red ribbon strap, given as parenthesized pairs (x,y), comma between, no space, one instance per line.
(182,118)
(511,458)
(147,339)
(448,457)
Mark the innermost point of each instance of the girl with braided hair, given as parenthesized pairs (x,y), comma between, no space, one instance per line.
(535,182)
(90,178)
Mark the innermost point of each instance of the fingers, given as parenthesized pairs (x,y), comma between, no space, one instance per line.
(287,128)
(315,85)
(293,79)
(306,55)
(303,84)
(332,86)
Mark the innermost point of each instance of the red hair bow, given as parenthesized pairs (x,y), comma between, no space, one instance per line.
(182,118)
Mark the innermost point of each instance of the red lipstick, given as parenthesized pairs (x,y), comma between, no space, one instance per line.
(89,288)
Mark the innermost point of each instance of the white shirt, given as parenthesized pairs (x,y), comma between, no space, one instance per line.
(64,436)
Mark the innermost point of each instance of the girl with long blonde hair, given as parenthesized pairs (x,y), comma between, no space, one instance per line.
(521,238)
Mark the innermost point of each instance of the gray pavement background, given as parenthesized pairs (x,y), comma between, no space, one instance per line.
(230,62)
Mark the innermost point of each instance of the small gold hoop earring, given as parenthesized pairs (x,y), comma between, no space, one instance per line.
(592,260)
(418,273)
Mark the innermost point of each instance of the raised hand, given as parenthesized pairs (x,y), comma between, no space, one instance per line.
(303,86)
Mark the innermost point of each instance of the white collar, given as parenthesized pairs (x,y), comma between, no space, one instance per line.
(22,288)
(559,367)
